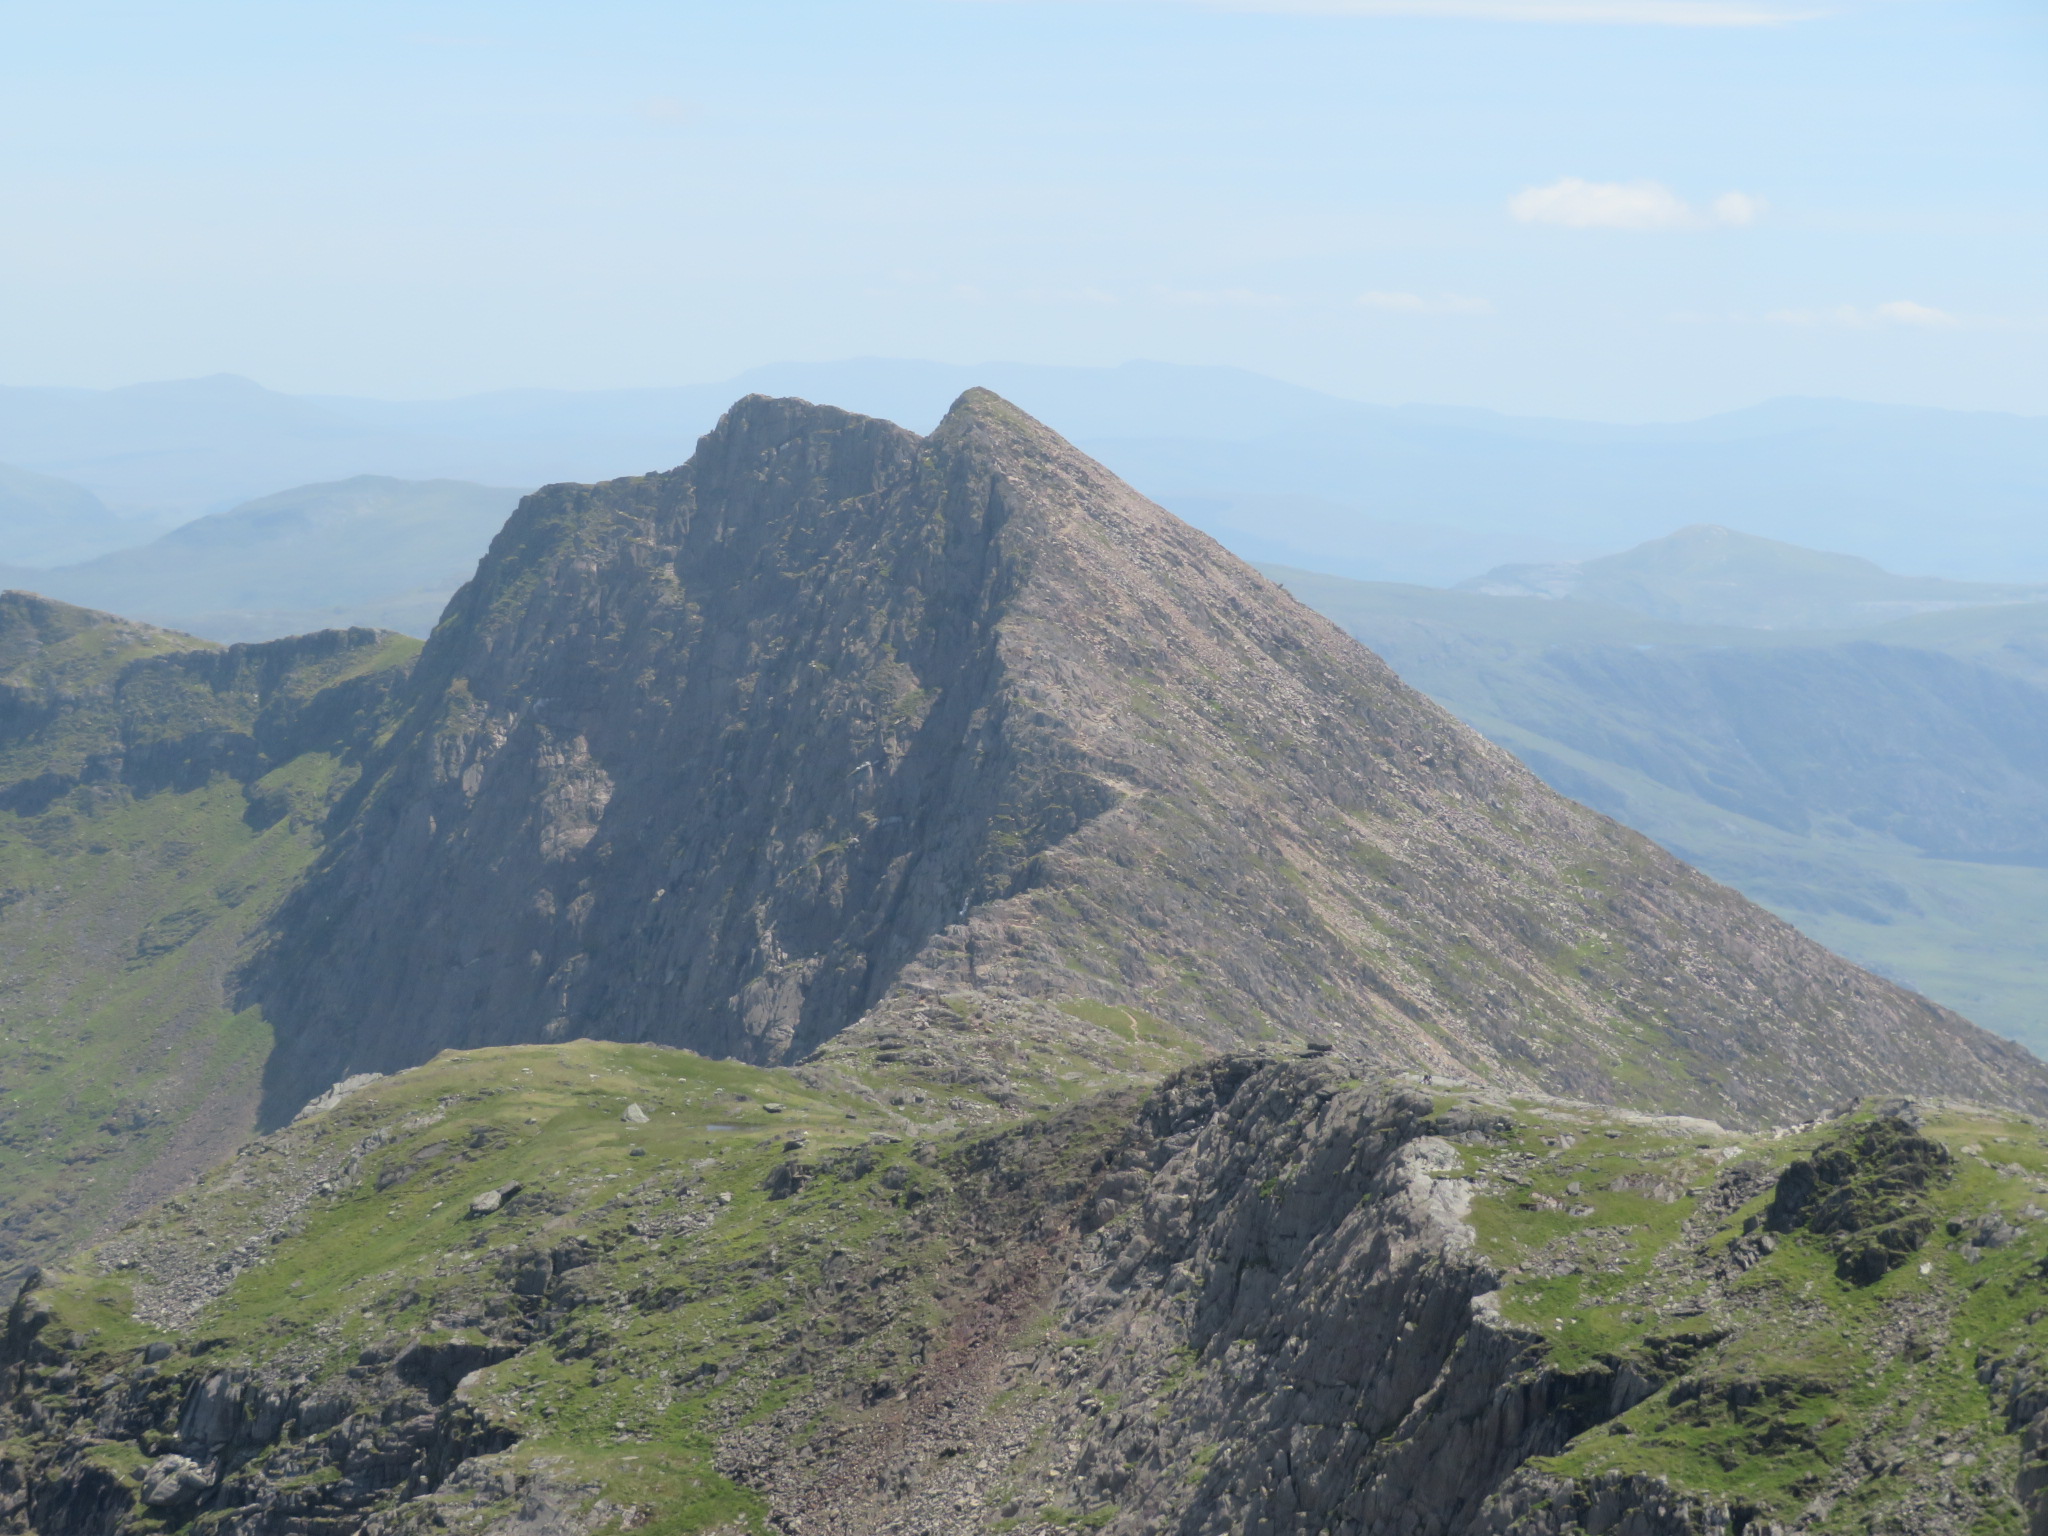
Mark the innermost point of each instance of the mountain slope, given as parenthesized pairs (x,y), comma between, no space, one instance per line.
(835,717)
(1882,787)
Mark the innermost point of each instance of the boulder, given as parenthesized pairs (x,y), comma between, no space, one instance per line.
(172,1481)
(491,1199)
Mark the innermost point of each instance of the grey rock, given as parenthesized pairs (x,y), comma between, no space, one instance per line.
(173,1481)
(341,1090)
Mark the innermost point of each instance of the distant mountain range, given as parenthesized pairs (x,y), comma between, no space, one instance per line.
(1278,472)
(1885,787)
(365,551)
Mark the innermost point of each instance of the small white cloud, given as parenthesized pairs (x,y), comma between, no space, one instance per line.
(1906,312)
(1737,208)
(1848,316)
(1417,304)
(1577,204)
(1638,205)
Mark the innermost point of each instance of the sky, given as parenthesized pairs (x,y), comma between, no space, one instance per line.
(1615,209)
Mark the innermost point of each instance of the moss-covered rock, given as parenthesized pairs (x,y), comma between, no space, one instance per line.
(1866,1189)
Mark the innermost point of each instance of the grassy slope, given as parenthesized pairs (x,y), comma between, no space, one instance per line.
(122,1067)
(711,1291)
(1840,1374)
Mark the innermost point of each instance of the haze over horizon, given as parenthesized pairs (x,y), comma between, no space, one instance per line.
(1630,210)
(790,365)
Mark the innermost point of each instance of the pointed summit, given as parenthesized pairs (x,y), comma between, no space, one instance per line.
(835,716)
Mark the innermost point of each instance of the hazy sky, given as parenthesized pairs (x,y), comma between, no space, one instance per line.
(1613,208)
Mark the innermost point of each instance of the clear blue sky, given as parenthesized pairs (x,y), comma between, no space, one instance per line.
(1613,208)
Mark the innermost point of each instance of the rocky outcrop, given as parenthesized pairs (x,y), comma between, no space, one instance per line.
(1865,1190)
(263,1453)
(1283,1259)
(834,715)
(1535,1503)
(1263,1297)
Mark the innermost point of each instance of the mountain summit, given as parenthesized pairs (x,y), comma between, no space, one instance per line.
(835,718)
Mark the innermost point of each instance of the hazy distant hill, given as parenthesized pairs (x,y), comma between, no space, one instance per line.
(1711,575)
(1946,493)
(1885,788)
(1276,471)
(47,521)
(367,551)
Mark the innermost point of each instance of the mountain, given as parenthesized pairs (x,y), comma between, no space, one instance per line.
(782,748)
(1276,471)
(1716,576)
(836,717)
(1881,787)
(365,552)
(47,521)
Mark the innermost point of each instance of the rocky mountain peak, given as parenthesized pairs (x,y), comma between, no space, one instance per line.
(834,717)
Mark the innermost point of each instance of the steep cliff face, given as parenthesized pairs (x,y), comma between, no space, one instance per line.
(731,756)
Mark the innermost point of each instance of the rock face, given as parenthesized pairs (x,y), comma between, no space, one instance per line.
(1296,1254)
(835,715)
